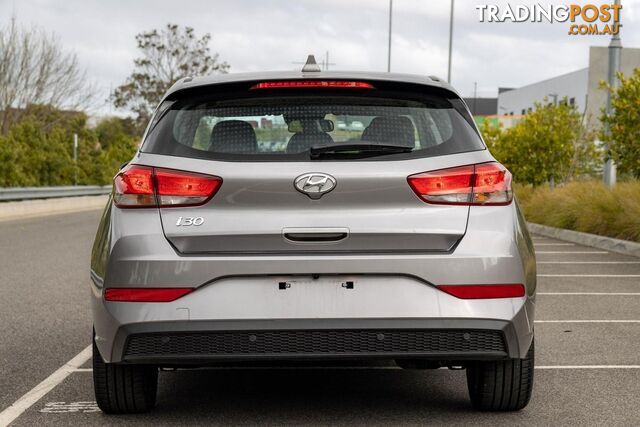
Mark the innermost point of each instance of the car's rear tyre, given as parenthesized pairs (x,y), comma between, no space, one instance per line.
(504,385)
(123,389)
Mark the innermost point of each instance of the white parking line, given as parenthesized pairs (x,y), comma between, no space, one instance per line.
(588,262)
(586,321)
(588,367)
(85,407)
(588,275)
(589,293)
(384,368)
(553,244)
(571,252)
(32,396)
(376,368)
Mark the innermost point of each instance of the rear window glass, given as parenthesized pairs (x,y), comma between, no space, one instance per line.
(288,126)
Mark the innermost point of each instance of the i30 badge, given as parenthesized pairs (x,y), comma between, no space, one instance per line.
(315,184)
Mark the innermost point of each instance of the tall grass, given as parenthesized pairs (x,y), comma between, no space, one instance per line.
(585,206)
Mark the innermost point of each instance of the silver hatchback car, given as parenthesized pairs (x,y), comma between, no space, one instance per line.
(313,216)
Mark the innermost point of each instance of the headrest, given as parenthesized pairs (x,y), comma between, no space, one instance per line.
(390,130)
(233,136)
(301,142)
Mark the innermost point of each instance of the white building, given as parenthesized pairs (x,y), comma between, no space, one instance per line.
(580,88)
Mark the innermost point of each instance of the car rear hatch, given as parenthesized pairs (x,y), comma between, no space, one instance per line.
(284,192)
(258,210)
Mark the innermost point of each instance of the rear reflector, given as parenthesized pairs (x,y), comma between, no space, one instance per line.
(145,294)
(481,184)
(483,291)
(143,186)
(291,84)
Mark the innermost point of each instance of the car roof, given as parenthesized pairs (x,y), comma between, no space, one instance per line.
(193,82)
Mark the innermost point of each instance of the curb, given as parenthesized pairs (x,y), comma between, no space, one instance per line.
(37,208)
(624,247)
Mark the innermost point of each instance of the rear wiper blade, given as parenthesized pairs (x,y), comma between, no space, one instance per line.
(365,149)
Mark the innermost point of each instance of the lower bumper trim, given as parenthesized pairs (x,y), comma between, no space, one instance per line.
(321,343)
(143,342)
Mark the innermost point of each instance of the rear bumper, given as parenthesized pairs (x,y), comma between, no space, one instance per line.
(200,343)
(249,318)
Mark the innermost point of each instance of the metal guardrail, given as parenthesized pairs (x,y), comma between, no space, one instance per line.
(29,193)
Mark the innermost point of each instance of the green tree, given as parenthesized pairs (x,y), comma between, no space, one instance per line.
(167,55)
(113,129)
(549,144)
(118,144)
(624,124)
(39,148)
(491,133)
(38,151)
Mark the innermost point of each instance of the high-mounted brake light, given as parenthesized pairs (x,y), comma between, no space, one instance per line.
(302,84)
(145,294)
(481,184)
(484,291)
(143,186)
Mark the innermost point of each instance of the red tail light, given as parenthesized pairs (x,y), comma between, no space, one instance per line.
(143,186)
(145,294)
(481,184)
(177,188)
(484,291)
(302,84)
(133,187)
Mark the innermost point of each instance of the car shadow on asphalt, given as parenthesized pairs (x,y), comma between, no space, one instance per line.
(304,396)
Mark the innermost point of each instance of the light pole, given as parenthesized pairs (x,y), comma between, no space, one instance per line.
(615,46)
(552,180)
(75,159)
(450,41)
(389,39)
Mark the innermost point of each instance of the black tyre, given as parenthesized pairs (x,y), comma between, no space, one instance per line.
(123,389)
(504,385)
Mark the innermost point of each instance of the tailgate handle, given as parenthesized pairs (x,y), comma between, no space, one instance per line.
(315,235)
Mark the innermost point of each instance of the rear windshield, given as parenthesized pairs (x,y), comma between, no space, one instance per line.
(286,125)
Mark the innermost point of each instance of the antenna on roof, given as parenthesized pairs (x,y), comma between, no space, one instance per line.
(311,66)
(324,64)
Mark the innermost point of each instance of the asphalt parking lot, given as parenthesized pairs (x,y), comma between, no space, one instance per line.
(587,342)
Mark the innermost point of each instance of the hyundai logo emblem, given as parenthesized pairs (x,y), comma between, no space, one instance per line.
(314,184)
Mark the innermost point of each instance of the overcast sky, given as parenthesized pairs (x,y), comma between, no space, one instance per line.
(271,34)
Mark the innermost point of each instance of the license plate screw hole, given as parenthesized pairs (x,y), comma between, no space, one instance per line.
(283,285)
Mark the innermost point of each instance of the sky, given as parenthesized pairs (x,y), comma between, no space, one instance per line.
(260,35)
